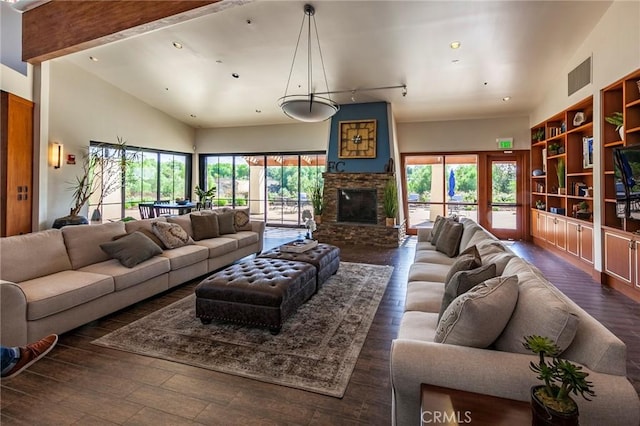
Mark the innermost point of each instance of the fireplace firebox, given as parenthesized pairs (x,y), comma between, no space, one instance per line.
(357,205)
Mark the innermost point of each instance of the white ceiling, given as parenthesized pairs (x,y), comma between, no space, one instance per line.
(509,48)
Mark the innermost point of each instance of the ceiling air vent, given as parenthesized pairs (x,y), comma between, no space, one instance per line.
(579,77)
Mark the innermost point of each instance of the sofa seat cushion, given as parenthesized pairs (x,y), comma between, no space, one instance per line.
(424,296)
(417,325)
(428,272)
(541,310)
(18,252)
(63,290)
(83,242)
(185,256)
(219,246)
(424,245)
(477,317)
(244,238)
(124,277)
(433,256)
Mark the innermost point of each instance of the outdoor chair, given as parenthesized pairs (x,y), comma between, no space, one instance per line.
(146,211)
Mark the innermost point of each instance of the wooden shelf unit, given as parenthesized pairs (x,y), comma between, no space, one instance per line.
(560,131)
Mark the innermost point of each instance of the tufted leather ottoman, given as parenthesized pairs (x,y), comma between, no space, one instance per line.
(325,258)
(260,291)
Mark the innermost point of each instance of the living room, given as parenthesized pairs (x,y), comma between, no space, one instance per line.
(75,107)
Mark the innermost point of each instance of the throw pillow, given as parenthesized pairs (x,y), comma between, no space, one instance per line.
(205,226)
(436,225)
(464,263)
(437,228)
(149,233)
(172,235)
(131,249)
(449,239)
(477,318)
(225,223)
(463,281)
(242,220)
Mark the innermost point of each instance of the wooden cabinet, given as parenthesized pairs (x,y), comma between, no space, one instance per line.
(16,175)
(580,240)
(620,258)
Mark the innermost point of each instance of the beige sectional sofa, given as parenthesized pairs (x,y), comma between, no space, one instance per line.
(55,280)
(502,368)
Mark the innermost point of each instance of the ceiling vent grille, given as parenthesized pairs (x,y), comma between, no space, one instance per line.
(579,77)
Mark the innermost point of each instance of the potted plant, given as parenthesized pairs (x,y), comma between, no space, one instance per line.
(103,166)
(560,169)
(390,202)
(553,149)
(538,135)
(617,119)
(205,197)
(317,201)
(551,403)
(540,205)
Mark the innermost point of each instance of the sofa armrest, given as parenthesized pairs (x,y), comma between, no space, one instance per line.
(259,227)
(424,234)
(13,314)
(490,372)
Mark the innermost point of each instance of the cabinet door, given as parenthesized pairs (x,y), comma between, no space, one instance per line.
(586,243)
(550,229)
(535,232)
(542,225)
(618,256)
(573,235)
(561,233)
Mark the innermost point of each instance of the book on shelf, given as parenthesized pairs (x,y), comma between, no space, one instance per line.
(298,246)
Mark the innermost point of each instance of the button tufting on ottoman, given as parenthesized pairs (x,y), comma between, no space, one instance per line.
(325,258)
(260,291)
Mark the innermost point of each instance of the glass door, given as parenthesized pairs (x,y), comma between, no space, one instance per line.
(505,211)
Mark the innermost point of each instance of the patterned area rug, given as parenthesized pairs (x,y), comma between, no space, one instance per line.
(316,350)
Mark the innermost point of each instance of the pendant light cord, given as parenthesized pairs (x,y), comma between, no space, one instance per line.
(295,53)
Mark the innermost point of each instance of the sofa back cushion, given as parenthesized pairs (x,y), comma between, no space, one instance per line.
(184,221)
(470,228)
(83,242)
(28,256)
(136,225)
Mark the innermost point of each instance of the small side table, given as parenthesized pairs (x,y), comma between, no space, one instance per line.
(444,406)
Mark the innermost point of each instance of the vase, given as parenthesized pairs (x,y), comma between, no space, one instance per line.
(96,216)
(70,220)
(390,221)
(542,415)
(621,132)
(318,219)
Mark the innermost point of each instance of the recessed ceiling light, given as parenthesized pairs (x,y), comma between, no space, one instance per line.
(177,45)
(258,111)
(93,58)
(193,116)
(455,45)
(506,98)
(455,60)
(219,61)
(235,75)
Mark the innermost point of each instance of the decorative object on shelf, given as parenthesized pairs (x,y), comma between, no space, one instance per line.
(551,403)
(638,84)
(357,139)
(579,119)
(103,165)
(310,224)
(560,171)
(538,135)
(538,172)
(317,201)
(553,149)
(582,210)
(617,119)
(310,107)
(563,127)
(587,152)
(540,205)
(390,201)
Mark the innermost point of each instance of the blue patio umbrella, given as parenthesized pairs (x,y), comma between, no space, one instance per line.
(452,184)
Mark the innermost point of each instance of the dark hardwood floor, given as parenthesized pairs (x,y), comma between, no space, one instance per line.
(80,383)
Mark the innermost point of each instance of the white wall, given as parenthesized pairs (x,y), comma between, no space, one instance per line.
(82,108)
(463,135)
(14,82)
(615,46)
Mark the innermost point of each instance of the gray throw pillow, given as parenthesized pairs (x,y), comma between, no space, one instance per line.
(463,281)
(205,226)
(449,239)
(477,317)
(436,224)
(465,262)
(131,249)
(225,223)
(172,235)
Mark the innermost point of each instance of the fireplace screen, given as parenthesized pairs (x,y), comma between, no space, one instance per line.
(357,206)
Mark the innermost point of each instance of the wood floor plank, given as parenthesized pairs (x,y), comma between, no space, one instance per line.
(168,401)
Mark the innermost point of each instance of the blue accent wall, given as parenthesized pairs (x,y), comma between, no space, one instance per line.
(368,111)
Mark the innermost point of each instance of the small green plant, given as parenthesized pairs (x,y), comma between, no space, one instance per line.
(560,172)
(538,135)
(390,199)
(617,119)
(560,377)
(317,200)
(205,196)
(554,147)
(540,205)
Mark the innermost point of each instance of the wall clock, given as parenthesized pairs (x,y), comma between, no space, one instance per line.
(357,139)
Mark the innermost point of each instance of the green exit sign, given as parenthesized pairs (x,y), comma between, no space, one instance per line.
(505,143)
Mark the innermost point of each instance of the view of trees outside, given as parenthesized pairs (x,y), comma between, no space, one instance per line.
(504,182)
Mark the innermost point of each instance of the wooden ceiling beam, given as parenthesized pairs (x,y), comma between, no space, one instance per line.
(61,27)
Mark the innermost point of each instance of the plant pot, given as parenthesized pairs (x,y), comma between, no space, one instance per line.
(317,219)
(621,132)
(562,191)
(542,415)
(552,152)
(70,220)
(96,216)
(390,221)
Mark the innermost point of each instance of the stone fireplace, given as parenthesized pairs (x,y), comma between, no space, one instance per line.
(353,211)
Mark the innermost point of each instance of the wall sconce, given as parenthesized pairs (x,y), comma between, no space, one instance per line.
(55,155)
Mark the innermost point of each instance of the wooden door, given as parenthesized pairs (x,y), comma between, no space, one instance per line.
(618,256)
(586,243)
(573,236)
(16,200)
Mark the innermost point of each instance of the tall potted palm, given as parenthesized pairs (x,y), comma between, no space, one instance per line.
(317,201)
(560,171)
(390,202)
